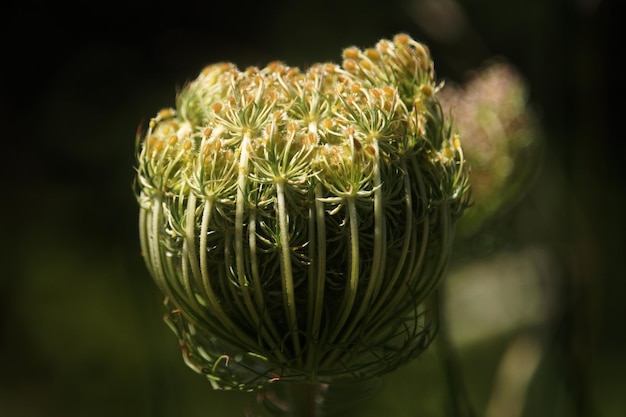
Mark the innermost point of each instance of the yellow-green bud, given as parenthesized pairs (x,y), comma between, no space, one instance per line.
(298,223)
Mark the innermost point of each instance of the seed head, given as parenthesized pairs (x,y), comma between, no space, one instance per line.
(298,223)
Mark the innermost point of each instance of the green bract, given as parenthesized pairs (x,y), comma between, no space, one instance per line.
(298,223)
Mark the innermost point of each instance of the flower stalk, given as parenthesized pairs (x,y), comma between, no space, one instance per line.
(299,223)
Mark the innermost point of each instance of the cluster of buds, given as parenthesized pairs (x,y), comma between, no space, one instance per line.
(502,139)
(299,222)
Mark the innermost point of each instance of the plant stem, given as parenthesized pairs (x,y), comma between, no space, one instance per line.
(294,400)
(303,400)
(460,405)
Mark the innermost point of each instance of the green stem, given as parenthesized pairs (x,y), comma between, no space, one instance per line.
(294,400)
(408,236)
(285,266)
(240,258)
(317,228)
(266,325)
(378,262)
(460,405)
(304,400)
(352,284)
(155,244)
(394,306)
(201,272)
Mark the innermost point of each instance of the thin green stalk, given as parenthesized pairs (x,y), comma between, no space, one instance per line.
(240,259)
(392,305)
(189,258)
(202,273)
(294,400)
(143,237)
(408,237)
(443,254)
(317,279)
(349,295)
(460,404)
(289,298)
(155,244)
(266,324)
(304,400)
(378,261)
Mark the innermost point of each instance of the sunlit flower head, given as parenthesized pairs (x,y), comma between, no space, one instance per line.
(299,222)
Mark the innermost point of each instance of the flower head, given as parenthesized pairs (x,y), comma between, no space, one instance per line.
(503,139)
(297,222)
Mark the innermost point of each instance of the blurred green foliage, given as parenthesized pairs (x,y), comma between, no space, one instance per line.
(81,331)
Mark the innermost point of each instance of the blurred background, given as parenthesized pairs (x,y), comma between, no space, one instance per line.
(534,304)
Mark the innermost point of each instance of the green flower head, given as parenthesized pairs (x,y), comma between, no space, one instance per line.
(298,222)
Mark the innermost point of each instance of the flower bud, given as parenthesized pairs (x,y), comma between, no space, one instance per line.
(502,139)
(300,223)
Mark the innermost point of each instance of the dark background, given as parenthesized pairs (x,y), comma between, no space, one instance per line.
(80,319)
